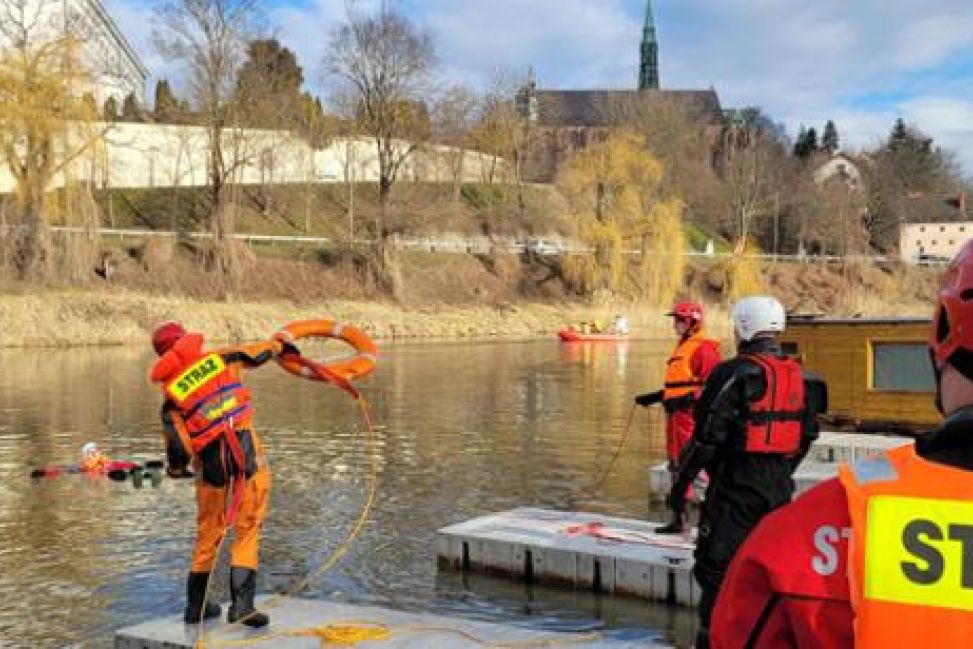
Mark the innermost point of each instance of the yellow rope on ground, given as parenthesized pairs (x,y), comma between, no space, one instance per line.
(345,635)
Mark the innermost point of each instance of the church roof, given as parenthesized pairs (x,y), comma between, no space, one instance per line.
(605,107)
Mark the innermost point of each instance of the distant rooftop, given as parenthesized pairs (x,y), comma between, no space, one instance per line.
(604,108)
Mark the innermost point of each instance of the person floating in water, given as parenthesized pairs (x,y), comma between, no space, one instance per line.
(93,460)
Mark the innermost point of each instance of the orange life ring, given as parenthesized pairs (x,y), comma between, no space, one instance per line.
(359,365)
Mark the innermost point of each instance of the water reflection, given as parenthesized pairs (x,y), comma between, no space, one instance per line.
(464,429)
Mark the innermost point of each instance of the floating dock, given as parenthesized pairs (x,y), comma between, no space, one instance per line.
(614,555)
(821,463)
(305,624)
(599,553)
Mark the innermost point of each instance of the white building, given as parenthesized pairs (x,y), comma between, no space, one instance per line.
(838,167)
(936,241)
(115,67)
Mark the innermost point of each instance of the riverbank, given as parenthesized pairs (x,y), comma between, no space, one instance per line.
(78,318)
(446,296)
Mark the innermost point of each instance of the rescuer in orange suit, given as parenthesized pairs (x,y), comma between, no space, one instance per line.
(882,555)
(208,423)
(693,358)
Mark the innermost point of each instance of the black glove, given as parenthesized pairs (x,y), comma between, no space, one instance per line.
(180,473)
(649,398)
(288,349)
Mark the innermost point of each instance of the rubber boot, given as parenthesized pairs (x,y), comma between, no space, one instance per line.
(243,588)
(674,527)
(195,594)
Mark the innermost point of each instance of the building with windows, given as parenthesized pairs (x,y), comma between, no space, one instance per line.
(933,241)
(115,68)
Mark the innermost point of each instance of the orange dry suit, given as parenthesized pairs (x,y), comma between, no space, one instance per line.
(208,420)
(95,463)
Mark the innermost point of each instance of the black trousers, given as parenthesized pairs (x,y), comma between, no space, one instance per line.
(721,532)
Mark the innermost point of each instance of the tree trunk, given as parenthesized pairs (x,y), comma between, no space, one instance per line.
(458,177)
(34,241)
(389,273)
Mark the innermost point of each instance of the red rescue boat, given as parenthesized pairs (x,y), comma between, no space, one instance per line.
(572,336)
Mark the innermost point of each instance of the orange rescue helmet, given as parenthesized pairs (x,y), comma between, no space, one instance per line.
(166,335)
(951,339)
(690,311)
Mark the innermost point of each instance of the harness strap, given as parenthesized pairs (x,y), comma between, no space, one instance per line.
(683,384)
(226,388)
(776,415)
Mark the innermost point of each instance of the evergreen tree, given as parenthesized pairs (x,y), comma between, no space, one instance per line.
(268,85)
(166,104)
(899,135)
(111,108)
(806,144)
(800,144)
(812,142)
(130,108)
(830,141)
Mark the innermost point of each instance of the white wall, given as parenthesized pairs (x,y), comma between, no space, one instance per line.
(136,155)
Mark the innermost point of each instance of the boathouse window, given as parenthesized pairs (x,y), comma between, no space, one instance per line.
(902,366)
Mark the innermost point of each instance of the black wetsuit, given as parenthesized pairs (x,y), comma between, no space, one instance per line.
(743,486)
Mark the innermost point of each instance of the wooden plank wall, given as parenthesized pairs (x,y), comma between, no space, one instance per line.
(840,352)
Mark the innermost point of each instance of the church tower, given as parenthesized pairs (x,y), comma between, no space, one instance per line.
(649,66)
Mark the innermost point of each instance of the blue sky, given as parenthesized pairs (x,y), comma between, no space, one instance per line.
(861,63)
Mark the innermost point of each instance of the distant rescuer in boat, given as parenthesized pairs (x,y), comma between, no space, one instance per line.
(207,420)
(692,360)
(882,555)
(755,421)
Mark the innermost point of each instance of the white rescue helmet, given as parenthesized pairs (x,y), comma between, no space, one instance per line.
(755,315)
(90,449)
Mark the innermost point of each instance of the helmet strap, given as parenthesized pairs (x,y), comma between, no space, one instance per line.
(938,373)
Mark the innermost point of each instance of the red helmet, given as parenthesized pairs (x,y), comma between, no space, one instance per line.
(690,311)
(166,335)
(951,339)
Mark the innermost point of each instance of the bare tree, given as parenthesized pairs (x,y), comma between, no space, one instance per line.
(385,64)
(751,181)
(453,116)
(46,124)
(210,38)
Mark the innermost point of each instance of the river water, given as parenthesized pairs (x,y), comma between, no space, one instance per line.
(462,429)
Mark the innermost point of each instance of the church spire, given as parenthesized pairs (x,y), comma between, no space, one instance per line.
(649,65)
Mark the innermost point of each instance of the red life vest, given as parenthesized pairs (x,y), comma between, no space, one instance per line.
(774,421)
(208,394)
